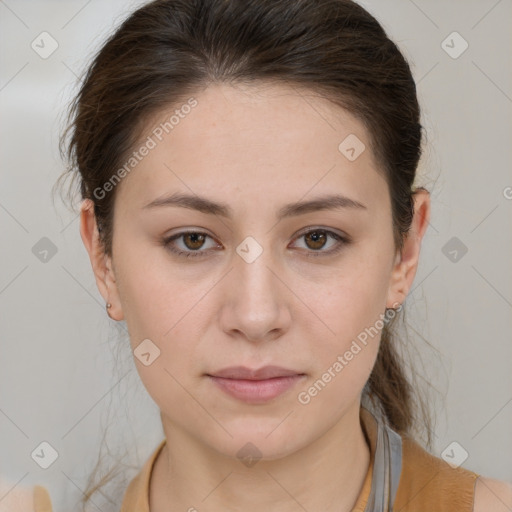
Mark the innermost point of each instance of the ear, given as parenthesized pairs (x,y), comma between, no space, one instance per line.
(101,263)
(406,262)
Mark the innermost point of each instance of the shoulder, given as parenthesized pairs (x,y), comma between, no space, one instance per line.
(15,498)
(18,498)
(492,495)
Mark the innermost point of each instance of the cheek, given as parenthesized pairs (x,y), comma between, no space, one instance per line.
(169,311)
(153,297)
(348,300)
(345,354)
(349,354)
(165,312)
(349,311)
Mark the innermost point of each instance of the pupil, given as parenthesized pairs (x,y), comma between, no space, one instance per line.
(316,236)
(196,240)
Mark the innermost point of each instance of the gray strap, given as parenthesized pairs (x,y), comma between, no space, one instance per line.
(387,467)
(395,444)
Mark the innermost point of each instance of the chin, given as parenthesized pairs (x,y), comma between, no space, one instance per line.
(258,440)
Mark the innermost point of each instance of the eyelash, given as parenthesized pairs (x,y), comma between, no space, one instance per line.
(342,241)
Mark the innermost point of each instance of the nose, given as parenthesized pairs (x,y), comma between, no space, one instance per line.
(256,301)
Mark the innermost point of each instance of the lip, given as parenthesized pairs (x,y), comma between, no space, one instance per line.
(255,386)
(265,372)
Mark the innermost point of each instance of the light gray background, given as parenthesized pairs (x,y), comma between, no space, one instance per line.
(58,370)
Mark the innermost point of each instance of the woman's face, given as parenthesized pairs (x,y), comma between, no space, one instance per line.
(265,280)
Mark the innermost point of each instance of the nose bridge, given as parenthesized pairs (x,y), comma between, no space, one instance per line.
(255,273)
(257,303)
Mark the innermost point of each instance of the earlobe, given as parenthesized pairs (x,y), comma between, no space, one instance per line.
(100,262)
(407,260)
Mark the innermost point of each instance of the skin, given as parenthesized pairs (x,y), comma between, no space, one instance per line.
(15,497)
(255,148)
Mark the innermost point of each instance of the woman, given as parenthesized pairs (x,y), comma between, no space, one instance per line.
(247,171)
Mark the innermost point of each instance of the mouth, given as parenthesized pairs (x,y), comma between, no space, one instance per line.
(256,386)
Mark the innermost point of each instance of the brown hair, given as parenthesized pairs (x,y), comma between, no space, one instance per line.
(168,50)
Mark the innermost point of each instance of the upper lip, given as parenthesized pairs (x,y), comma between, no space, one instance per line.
(265,372)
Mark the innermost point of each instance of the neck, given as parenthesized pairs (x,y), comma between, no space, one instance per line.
(327,475)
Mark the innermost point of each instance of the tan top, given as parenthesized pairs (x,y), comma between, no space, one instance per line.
(427,483)
(42,501)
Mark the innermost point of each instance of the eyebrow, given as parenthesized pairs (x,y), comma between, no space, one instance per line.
(205,205)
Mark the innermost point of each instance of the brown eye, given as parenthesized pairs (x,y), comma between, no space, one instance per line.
(315,239)
(191,244)
(193,241)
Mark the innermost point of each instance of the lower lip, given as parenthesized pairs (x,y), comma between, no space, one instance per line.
(256,391)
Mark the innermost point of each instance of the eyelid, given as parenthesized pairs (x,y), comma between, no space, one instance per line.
(342,240)
(167,243)
(332,231)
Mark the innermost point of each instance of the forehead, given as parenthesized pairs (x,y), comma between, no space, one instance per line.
(268,141)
